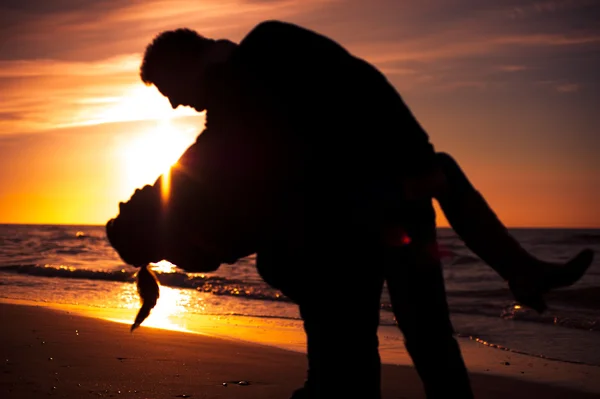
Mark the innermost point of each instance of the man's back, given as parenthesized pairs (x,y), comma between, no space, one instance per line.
(352,131)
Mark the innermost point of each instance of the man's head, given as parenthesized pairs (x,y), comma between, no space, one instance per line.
(176,63)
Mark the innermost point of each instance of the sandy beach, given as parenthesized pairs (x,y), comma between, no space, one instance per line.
(61,353)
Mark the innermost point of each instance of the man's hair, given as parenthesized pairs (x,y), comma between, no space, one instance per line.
(169,50)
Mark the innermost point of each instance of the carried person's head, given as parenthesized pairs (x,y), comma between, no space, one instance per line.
(176,63)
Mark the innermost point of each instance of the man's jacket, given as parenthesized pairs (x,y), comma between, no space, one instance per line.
(305,146)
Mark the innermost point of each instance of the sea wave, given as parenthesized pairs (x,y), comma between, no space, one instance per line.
(461,260)
(583,238)
(205,283)
(576,239)
(576,308)
(68,272)
(582,297)
(528,353)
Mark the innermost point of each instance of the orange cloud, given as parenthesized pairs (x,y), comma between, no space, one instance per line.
(92,75)
(102,29)
(46,94)
(30,68)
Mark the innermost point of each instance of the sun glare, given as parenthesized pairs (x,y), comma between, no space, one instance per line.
(135,102)
(152,154)
(164,267)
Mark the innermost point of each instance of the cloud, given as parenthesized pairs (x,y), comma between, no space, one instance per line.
(543,7)
(72,62)
(83,30)
(32,68)
(434,49)
(469,41)
(453,86)
(391,70)
(568,88)
(564,87)
(46,94)
(546,40)
(511,68)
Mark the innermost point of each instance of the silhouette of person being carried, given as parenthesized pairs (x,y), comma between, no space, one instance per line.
(311,159)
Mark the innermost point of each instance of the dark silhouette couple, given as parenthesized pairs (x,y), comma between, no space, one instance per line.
(311,160)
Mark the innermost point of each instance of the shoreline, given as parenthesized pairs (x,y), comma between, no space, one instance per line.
(276,337)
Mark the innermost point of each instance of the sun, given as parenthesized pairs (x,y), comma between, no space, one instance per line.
(152,154)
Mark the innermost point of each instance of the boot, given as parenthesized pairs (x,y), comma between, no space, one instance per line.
(477,225)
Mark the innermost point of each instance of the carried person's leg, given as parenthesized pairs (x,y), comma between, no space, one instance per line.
(416,288)
(478,226)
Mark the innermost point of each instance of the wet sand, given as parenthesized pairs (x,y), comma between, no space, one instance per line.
(47,352)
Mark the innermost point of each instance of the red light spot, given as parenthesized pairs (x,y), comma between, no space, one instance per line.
(405,239)
(397,237)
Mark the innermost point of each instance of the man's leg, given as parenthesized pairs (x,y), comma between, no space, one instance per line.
(416,287)
(339,299)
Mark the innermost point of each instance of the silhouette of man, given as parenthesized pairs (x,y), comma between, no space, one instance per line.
(337,179)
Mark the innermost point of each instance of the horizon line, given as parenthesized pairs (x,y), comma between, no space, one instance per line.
(437,227)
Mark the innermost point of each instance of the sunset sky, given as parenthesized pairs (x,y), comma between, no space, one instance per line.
(511,88)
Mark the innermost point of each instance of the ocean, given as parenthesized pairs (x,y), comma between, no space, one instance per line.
(75,265)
